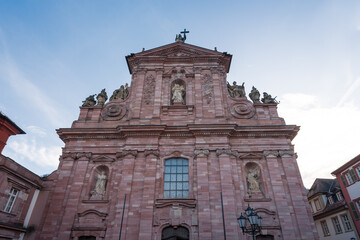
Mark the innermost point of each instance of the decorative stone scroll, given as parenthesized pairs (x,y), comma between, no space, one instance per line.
(271,153)
(113,112)
(199,152)
(76,155)
(227,151)
(242,110)
(127,152)
(152,151)
(207,88)
(149,89)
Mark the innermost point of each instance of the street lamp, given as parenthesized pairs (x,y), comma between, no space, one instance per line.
(254,220)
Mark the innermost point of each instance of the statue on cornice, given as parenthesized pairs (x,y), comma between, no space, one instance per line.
(178,93)
(89,101)
(121,93)
(102,97)
(235,90)
(254,95)
(268,99)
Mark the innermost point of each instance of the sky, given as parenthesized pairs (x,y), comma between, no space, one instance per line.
(53,54)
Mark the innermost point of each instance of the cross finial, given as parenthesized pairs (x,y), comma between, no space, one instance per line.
(180,38)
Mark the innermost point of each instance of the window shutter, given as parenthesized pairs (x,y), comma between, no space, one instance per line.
(343,180)
(353,175)
(353,209)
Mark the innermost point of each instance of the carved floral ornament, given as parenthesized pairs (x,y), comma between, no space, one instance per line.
(149,89)
(207,88)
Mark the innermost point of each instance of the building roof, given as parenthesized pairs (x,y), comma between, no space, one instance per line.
(347,165)
(11,123)
(322,185)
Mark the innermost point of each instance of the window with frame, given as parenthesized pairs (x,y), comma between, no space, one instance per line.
(176,178)
(337,225)
(358,205)
(11,200)
(349,178)
(325,228)
(331,200)
(346,223)
(317,204)
(339,196)
(357,170)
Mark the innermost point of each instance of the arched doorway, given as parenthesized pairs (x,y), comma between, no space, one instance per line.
(171,233)
(264,237)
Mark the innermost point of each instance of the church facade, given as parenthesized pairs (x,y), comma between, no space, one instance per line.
(178,154)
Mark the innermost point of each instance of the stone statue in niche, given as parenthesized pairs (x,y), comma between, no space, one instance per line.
(99,190)
(89,101)
(178,93)
(235,90)
(102,97)
(268,99)
(121,93)
(254,95)
(253,176)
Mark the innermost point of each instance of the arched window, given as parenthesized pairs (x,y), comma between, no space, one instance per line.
(171,233)
(176,178)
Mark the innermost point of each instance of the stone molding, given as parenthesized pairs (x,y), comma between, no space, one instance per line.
(102,158)
(124,153)
(286,153)
(154,152)
(76,156)
(271,153)
(189,203)
(201,152)
(250,155)
(227,151)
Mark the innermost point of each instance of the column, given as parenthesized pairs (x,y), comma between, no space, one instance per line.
(228,192)
(147,206)
(203,199)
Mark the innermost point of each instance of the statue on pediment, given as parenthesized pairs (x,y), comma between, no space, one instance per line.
(89,101)
(268,99)
(235,90)
(102,97)
(254,95)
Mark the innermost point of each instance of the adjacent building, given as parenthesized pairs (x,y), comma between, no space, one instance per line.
(348,176)
(330,212)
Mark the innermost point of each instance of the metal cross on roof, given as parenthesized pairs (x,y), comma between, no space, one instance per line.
(180,38)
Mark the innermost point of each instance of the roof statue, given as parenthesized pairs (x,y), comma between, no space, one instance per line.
(180,38)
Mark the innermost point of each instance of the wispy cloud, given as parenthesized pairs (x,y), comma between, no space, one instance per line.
(30,149)
(25,89)
(328,136)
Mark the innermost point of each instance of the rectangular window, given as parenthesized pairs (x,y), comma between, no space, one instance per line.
(317,204)
(337,225)
(176,178)
(358,205)
(339,196)
(331,201)
(357,169)
(346,223)
(349,178)
(325,228)
(11,200)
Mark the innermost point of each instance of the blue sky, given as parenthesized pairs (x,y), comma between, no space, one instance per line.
(53,54)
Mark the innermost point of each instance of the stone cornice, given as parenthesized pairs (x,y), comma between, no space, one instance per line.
(191,130)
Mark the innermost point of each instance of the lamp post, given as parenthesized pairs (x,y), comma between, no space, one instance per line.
(254,220)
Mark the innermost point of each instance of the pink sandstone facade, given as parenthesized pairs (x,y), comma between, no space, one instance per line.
(117,167)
